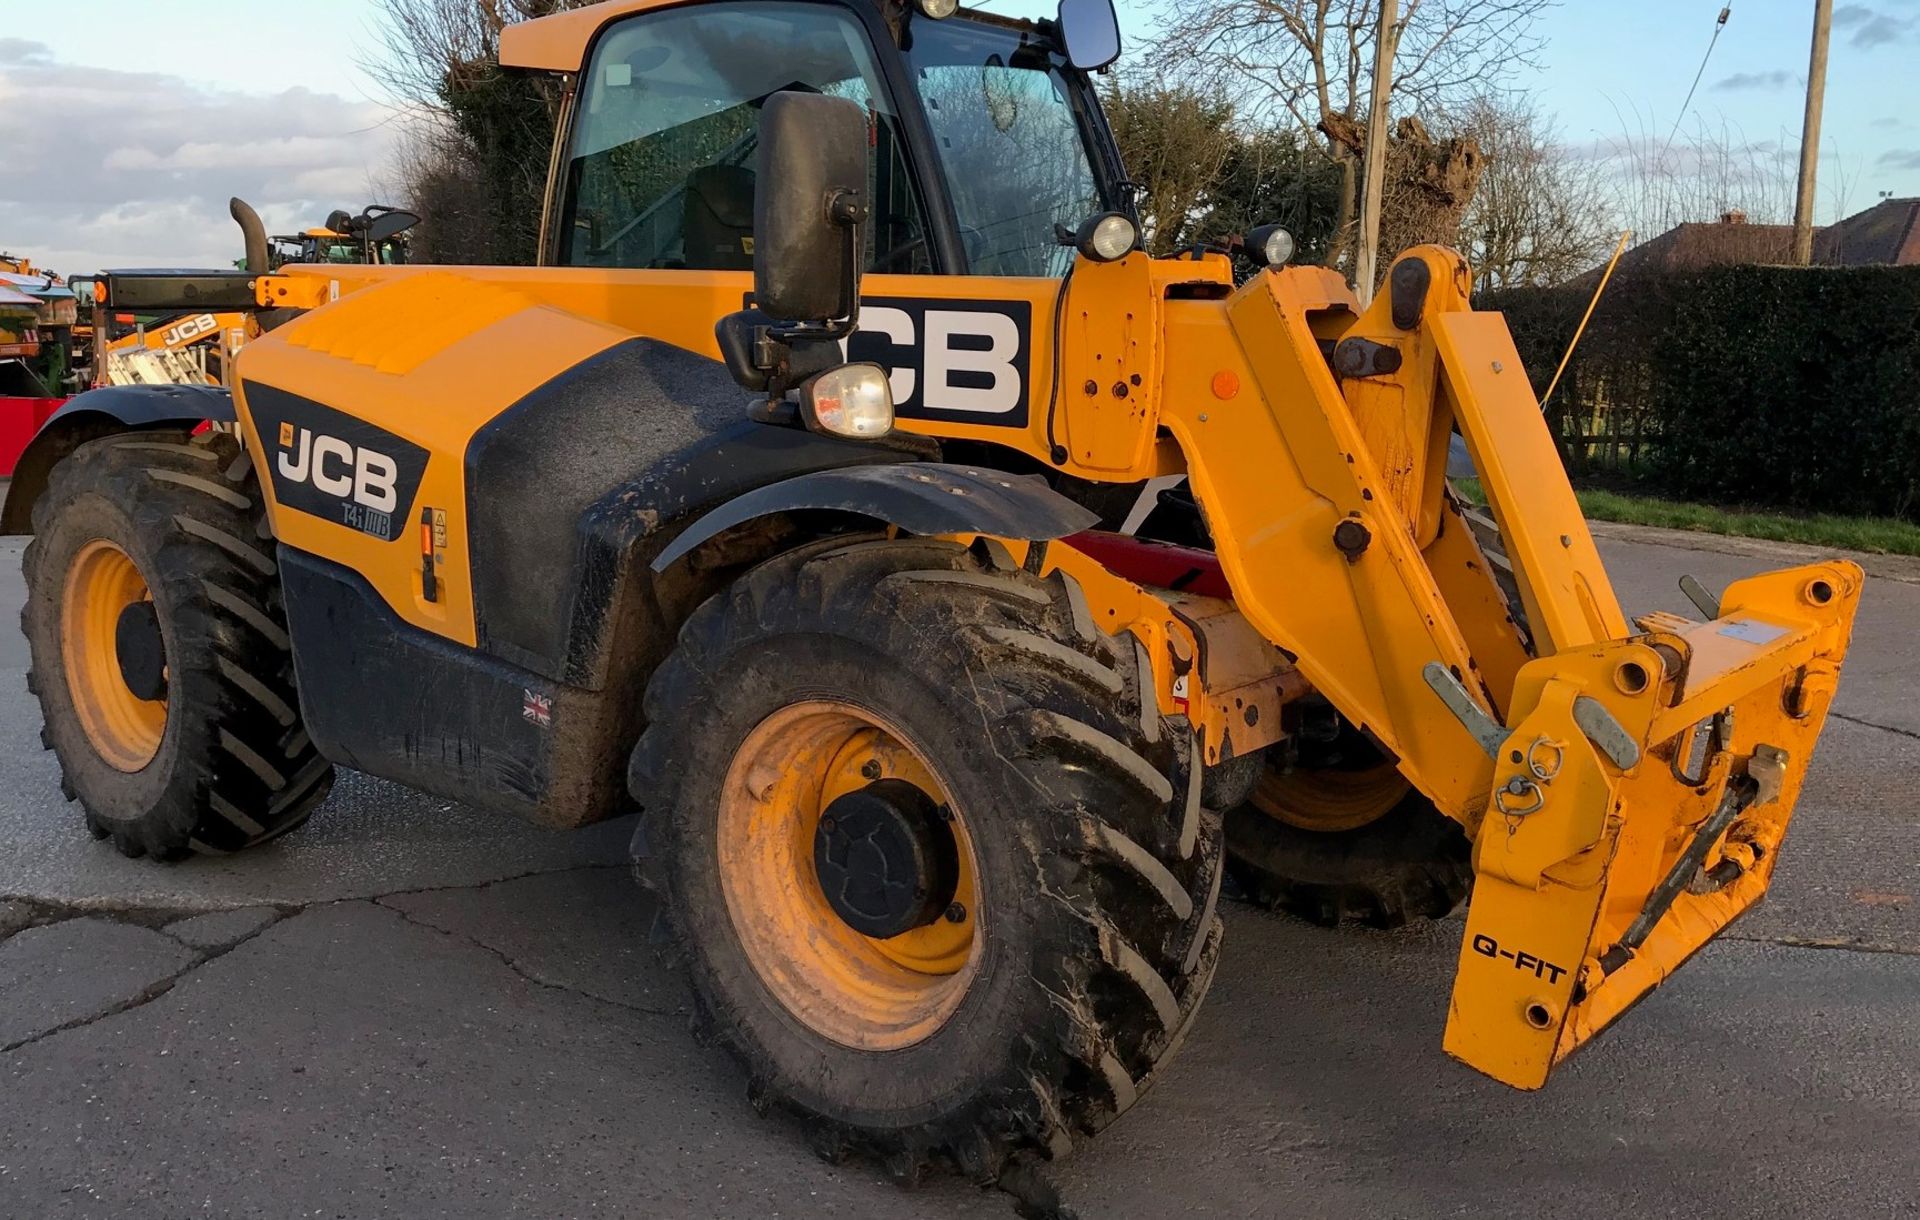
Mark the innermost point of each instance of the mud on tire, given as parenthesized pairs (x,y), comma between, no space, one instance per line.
(1099,870)
(234,765)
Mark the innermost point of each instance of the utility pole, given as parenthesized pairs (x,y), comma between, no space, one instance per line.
(1810,134)
(1366,255)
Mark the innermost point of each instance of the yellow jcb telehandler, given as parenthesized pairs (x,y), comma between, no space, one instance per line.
(784,500)
(174,328)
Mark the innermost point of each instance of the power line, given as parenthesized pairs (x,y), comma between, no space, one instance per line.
(1719,25)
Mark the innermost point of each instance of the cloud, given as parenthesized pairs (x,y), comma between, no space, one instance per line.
(1871,28)
(1900,158)
(1888,121)
(1778,79)
(24,51)
(124,168)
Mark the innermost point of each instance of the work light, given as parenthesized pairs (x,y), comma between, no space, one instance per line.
(1106,237)
(1270,245)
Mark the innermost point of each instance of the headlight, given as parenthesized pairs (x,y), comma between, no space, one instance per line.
(1106,237)
(1270,244)
(853,400)
(938,9)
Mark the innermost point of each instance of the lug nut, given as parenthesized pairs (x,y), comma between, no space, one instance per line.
(870,769)
(956,913)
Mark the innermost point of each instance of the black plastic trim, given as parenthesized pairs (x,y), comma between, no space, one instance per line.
(386,697)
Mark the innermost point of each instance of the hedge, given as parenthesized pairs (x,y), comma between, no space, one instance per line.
(1785,387)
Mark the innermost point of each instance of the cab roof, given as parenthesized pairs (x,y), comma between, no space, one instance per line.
(558,41)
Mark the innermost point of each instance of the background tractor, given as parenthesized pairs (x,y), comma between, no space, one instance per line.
(158,327)
(784,500)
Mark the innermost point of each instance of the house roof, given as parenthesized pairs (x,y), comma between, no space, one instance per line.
(1689,247)
(1888,232)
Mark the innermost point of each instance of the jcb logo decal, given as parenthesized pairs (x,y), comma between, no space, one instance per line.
(334,466)
(364,474)
(186,331)
(956,360)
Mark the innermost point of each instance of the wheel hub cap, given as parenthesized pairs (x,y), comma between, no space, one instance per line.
(885,861)
(138,648)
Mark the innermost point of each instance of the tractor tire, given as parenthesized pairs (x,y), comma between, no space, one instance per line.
(159,649)
(1081,932)
(1410,863)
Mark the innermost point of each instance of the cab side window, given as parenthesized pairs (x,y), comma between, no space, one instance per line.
(662,162)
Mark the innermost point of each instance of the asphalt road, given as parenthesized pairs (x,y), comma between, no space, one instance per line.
(411,1009)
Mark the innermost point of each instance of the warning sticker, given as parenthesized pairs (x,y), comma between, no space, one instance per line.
(1752,632)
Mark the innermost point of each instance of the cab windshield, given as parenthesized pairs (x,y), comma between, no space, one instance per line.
(661,171)
(1007,131)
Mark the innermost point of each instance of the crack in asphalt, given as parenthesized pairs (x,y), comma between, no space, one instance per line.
(146,916)
(152,991)
(153,918)
(1884,728)
(512,963)
(1831,944)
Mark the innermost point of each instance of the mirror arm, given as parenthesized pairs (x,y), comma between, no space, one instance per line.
(848,210)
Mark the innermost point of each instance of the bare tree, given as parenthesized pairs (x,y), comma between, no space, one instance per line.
(1656,183)
(1541,213)
(1311,61)
(1428,183)
(1175,140)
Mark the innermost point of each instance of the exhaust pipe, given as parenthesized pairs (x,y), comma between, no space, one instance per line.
(253,232)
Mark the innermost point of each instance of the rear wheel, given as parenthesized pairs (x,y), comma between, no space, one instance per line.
(1338,834)
(944,887)
(159,650)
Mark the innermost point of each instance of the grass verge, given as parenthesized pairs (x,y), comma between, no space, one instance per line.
(1880,535)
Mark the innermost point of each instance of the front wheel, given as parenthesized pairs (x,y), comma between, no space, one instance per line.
(159,649)
(943,889)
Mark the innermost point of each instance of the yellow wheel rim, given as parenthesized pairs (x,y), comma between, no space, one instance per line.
(123,728)
(1327,799)
(863,992)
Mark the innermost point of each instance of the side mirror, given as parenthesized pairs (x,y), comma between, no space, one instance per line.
(810,199)
(1089,33)
(388,225)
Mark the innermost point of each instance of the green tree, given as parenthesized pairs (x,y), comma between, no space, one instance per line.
(475,166)
(1207,176)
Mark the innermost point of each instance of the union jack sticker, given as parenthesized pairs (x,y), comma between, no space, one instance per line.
(537,710)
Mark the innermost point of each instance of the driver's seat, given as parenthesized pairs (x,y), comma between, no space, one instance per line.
(716,228)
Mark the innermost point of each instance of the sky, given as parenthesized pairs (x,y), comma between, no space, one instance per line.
(126,124)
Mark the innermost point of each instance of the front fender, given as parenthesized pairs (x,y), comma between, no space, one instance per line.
(103,412)
(920,497)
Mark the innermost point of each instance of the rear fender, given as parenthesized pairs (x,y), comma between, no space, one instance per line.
(103,412)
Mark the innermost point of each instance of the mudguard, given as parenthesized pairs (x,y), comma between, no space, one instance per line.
(921,497)
(102,412)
